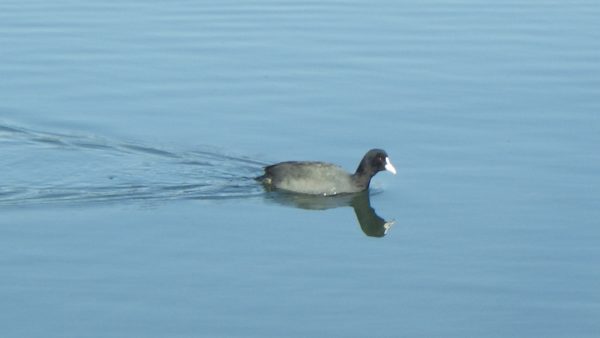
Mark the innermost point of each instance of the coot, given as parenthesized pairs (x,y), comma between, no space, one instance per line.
(319,178)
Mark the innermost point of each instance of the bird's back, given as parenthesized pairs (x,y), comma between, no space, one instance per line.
(317,178)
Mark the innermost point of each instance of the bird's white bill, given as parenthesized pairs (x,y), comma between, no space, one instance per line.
(389,167)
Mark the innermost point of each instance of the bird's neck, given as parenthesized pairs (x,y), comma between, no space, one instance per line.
(362,176)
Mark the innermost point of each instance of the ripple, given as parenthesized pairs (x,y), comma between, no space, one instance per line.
(49,168)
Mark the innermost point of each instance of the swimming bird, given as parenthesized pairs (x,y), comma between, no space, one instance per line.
(320,178)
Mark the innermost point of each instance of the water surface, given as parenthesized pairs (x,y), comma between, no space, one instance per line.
(129,133)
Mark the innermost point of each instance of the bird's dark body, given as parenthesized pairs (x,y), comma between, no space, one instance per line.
(320,178)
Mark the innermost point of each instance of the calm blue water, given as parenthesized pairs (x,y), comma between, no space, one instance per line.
(130,132)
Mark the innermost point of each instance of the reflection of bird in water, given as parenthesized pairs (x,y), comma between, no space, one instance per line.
(370,222)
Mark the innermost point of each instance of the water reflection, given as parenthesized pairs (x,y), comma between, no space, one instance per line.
(371,223)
